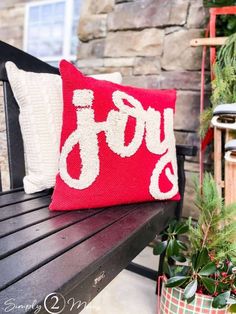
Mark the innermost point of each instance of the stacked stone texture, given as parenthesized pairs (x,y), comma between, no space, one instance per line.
(148,42)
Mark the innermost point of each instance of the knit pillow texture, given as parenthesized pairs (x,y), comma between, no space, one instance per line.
(117,144)
(39,96)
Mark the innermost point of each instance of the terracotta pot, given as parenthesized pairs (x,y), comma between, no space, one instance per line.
(172,303)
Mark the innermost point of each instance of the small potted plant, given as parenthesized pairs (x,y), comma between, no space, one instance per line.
(200,274)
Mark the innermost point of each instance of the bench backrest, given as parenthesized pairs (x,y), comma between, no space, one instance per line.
(25,62)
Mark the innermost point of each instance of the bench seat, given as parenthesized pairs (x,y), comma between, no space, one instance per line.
(75,253)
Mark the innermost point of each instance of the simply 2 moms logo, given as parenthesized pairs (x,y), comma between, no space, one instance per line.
(54,303)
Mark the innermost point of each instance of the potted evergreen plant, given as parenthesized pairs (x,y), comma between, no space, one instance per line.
(200,274)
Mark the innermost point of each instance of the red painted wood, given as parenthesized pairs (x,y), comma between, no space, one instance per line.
(212,34)
(213,14)
(202,95)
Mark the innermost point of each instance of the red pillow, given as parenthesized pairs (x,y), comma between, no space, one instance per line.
(117,144)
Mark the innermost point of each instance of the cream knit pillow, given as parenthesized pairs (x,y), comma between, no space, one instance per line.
(39,96)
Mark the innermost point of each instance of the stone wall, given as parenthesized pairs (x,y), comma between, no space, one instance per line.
(148,42)
(12,14)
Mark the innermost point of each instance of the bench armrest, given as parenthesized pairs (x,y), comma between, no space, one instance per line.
(186,150)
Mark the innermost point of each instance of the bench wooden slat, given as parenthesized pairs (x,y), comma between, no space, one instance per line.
(20,222)
(18,209)
(19,196)
(29,235)
(85,270)
(39,253)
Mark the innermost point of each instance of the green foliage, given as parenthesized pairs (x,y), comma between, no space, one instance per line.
(214,219)
(232,309)
(225,25)
(205,119)
(224,84)
(224,90)
(190,290)
(218,3)
(210,253)
(221,300)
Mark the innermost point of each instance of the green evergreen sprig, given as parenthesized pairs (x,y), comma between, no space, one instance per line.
(210,253)
(214,219)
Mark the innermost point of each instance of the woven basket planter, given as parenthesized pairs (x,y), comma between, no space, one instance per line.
(172,303)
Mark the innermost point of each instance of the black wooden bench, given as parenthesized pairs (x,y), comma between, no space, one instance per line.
(73,253)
